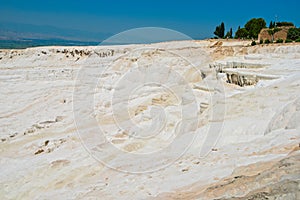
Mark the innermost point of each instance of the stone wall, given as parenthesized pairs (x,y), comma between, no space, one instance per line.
(264,35)
(282,34)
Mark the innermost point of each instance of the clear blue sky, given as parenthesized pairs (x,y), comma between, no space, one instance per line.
(195,18)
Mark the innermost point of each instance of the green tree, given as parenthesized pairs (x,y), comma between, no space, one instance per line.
(220,30)
(254,26)
(272,25)
(241,33)
(279,24)
(235,36)
(229,34)
(293,33)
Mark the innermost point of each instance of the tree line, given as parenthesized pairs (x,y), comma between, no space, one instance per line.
(253,27)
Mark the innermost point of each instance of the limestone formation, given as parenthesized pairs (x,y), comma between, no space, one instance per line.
(174,120)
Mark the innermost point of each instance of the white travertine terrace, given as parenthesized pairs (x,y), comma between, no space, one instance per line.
(254,154)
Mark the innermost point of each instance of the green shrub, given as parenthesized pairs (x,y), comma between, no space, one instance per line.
(279,40)
(267,41)
(298,40)
(284,24)
(261,41)
(293,33)
(241,33)
(288,41)
(253,43)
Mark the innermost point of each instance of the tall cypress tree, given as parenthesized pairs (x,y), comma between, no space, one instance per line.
(271,25)
(220,30)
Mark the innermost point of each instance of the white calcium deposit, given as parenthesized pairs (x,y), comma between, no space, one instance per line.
(168,120)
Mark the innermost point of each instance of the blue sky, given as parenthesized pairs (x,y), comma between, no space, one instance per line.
(197,19)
